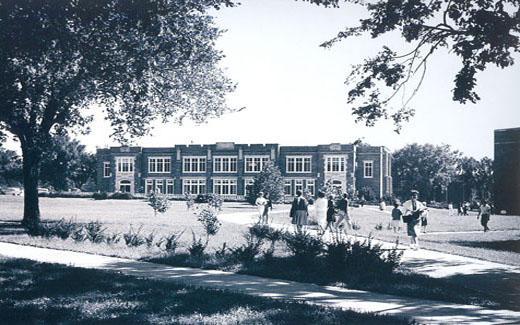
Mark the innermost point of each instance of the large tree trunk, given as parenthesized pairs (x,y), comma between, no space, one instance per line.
(31,160)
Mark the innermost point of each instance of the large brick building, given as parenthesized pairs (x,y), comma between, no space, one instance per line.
(507,170)
(228,169)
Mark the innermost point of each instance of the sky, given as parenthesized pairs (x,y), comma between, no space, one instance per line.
(293,90)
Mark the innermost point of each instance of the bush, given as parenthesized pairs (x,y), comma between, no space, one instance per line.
(269,180)
(171,242)
(379,226)
(267,233)
(197,247)
(121,196)
(113,238)
(100,196)
(61,229)
(159,203)
(247,252)
(149,240)
(208,219)
(95,232)
(336,253)
(133,238)
(78,235)
(221,253)
(304,247)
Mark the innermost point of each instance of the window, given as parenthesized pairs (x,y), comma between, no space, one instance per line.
(194,164)
(125,165)
(310,186)
(298,164)
(287,187)
(169,186)
(335,164)
(159,186)
(248,185)
(159,164)
(125,186)
(224,164)
(194,186)
(148,186)
(255,164)
(368,168)
(298,185)
(106,169)
(225,186)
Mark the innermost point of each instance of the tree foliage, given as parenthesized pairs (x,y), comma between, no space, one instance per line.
(139,60)
(479,33)
(476,177)
(426,168)
(66,164)
(269,180)
(10,167)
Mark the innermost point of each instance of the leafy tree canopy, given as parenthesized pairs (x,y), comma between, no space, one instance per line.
(480,33)
(269,180)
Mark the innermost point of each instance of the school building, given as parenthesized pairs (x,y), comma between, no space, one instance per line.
(228,169)
(506,171)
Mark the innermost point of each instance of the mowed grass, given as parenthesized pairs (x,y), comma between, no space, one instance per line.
(460,235)
(118,216)
(36,293)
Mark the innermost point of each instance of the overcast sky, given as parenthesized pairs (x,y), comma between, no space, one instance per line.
(294,91)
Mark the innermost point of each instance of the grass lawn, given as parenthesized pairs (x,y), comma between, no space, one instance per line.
(35,293)
(118,215)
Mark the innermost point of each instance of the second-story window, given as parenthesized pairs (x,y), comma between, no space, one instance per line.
(368,168)
(298,164)
(125,164)
(335,164)
(106,169)
(224,164)
(255,164)
(159,164)
(194,165)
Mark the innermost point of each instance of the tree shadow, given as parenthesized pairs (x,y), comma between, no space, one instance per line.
(499,245)
(11,228)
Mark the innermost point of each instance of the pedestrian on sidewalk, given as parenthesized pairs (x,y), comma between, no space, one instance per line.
(320,210)
(299,211)
(424,218)
(484,214)
(396,217)
(411,215)
(331,215)
(260,205)
(450,209)
(343,214)
(268,206)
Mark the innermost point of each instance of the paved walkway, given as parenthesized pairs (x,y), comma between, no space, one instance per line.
(424,311)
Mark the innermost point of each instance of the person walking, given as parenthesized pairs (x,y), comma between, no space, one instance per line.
(260,205)
(411,215)
(268,206)
(424,218)
(299,211)
(484,214)
(320,210)
(450,209)
(343,215)
(396,217)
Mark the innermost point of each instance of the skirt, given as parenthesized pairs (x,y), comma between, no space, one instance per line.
(301,217)
(395,223)
(411,228)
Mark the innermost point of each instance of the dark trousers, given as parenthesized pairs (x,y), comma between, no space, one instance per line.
(484,219)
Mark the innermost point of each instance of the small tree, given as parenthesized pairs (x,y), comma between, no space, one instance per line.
(269,180)
(190,201)
(159,203)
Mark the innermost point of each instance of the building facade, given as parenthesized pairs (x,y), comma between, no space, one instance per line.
(228,169)
(506,170)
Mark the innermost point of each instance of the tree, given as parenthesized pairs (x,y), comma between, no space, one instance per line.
(269,180)
(159,203)
(138,60)
(426,168)
(480,33)
(10,167)
(67,164)
(475,178)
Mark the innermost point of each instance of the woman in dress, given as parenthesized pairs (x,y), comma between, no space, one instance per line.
(299,211)
(320,210)
(260,205)
(268,206)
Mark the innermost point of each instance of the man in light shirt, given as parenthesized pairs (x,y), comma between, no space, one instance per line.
(412,210)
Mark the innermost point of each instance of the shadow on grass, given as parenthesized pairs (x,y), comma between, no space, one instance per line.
(11,228)
(498,245)
(49,294)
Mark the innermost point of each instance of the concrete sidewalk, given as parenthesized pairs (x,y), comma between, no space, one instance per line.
(424,311)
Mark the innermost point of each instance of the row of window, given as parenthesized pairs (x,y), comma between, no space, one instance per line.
(229,165)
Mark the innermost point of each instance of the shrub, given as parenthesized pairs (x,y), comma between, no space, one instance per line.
(190,201)
(78,235)
(171,242)
(215,201)
(121,196)
(336,253)
(221,253)
(95,232)
(100,196)
(304,247)
(202,198)
(159,203)
(269,180)
(264,232)
(208,219)
(133,238)
(113,238)
(355,225)
(247,252)
(197,247)
(379,226)
(149,239)
(63,229)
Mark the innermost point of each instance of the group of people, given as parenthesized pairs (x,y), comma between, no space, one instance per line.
(264,205)
(329,214)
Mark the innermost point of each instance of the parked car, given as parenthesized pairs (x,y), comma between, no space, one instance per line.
(16,191)
(43,190)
